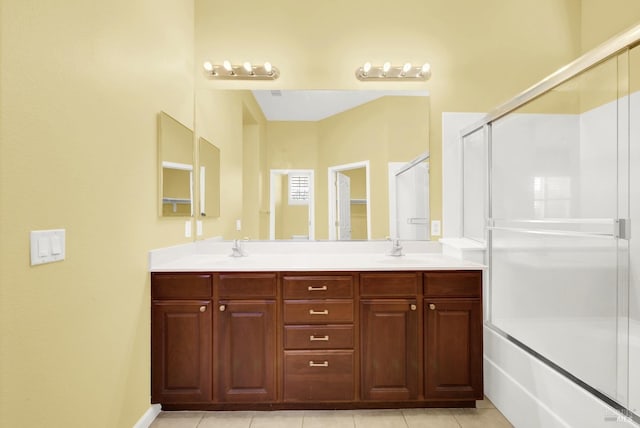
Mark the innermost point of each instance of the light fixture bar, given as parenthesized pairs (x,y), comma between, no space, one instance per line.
(387,71)
(244,71)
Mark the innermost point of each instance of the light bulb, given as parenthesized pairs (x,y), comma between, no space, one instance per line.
(247,67)
(406,67)
(227,65)
(426,67)
(366,68)
(208,66)
(267,67)
(386,67)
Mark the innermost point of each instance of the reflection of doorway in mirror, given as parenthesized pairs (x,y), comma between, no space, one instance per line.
(177,189)
(343,200)
(291,204)
(349,207)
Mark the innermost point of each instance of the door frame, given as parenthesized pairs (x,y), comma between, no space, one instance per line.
(331,171)
(275,174)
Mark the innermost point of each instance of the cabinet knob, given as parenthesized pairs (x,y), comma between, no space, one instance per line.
(222,308)
(432,306)
(414,307)
(203,308)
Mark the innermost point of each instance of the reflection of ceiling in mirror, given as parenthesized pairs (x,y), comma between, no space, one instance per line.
(317,105)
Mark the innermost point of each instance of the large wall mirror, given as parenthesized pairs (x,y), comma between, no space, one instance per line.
(175,166)
(309,164)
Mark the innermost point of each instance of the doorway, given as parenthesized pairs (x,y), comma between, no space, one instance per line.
(349,201)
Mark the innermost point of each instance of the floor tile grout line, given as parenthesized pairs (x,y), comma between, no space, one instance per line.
(200,420)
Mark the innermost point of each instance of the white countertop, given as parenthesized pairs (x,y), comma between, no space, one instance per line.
(287,256)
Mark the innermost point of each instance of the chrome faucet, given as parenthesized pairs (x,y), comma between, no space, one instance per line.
(396,248)
(237,250)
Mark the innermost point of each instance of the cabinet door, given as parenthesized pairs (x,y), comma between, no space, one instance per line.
(453,349)
(181,351)
(247,348)
(389,349)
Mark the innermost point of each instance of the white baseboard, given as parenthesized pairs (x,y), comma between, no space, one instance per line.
(532,395)
(149,416)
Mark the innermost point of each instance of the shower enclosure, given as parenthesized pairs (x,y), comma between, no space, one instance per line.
(551,184)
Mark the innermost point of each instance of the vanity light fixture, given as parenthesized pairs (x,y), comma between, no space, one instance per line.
(246,71)
(387,71)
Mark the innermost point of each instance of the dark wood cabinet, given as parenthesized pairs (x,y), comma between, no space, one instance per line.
(246,337)
(389,335)
(296,340)
(181,346)
(389,349)
(453,336)
(318,317)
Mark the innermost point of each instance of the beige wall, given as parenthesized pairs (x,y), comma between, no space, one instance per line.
(602,20)
(81,85)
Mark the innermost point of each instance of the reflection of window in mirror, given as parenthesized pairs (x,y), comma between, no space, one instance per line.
(299,189)
(209,179)
(175,150)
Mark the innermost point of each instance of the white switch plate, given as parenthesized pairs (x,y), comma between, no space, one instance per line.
(187,229)
(198,227)
(435,228)
(47,246)
(238,224)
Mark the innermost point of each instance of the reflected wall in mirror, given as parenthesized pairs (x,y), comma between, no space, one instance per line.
(209,178)
(175,154)
(264,131)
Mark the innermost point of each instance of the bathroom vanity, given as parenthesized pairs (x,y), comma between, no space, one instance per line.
(308,337)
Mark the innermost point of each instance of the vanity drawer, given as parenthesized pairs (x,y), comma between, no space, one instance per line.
(318,311)
(318,375)
(453,284)
(318,337)
(247,285)
(389,284)
(180,286)
(317,287)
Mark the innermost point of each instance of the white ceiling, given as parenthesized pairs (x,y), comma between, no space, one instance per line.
(318,104)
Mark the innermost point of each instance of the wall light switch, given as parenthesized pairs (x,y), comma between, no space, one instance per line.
(198,227)
(47,246)
(435,228)
(187,229)
(238,224)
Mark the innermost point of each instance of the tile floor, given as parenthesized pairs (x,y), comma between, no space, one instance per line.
(485,416)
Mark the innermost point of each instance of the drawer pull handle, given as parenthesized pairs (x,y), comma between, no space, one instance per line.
(432,306)
(324,364)
(312,312)
(318,338)
(222,308)
(203,308)
(414,307)
(312,288)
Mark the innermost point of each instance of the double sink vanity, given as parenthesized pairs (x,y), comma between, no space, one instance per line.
(322,325)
